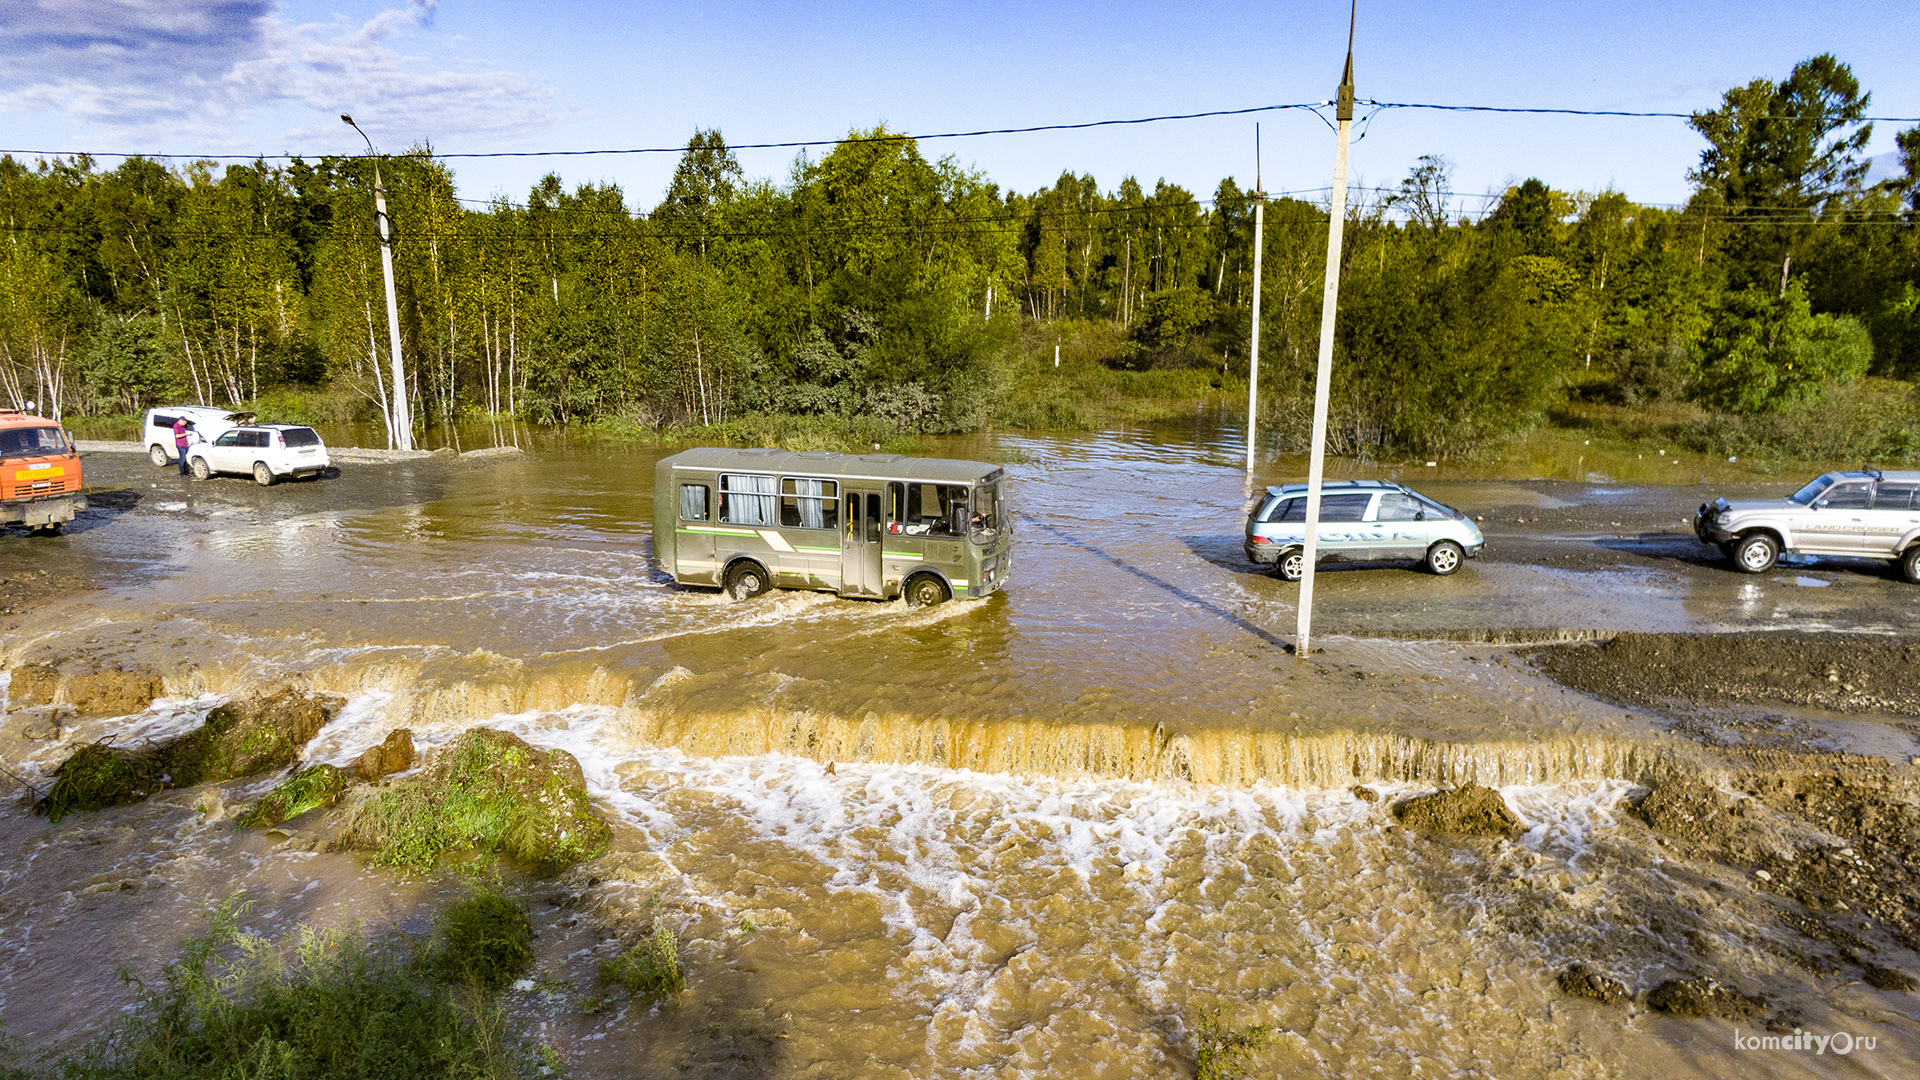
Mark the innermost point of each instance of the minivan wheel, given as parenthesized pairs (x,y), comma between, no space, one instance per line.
(199,468)
(1755,554)
(1910,564)
(262,475)
(1445,557)
(746,580)
(927,590)
(1291,565)
(158,455)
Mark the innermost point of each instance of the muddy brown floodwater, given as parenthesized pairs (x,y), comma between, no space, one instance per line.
(1039,834)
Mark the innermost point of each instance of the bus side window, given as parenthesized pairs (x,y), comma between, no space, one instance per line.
(896,506)
(873,518)
(693,502)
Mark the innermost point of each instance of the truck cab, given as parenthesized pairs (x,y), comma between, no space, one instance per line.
(40,478)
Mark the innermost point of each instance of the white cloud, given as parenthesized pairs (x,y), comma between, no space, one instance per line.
(150,70)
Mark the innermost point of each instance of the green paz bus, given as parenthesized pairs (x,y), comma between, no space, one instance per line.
(869,525)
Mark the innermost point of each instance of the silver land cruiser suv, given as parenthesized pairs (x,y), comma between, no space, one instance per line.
(1360,520)
(1864,515)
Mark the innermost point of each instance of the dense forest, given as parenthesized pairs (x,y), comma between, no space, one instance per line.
(874,283)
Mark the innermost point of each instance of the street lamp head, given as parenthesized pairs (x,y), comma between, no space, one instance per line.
(345,119)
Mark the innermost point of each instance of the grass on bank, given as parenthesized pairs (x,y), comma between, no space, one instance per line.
(236,1005)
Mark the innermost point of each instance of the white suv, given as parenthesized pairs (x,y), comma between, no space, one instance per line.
(1869,514)
(208,422)
(266,451)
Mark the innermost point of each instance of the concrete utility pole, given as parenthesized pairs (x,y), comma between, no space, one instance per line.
(1253,347)
(1329,303)
(402,422)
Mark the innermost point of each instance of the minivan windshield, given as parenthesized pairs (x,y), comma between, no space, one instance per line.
(1806,495)
(31,442)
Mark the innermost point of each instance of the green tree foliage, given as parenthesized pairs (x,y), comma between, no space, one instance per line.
(1767,352)
(871,287)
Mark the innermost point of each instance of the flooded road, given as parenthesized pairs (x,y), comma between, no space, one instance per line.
(1030,835)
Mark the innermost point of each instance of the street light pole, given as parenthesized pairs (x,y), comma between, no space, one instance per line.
(402,422)
(1323,376)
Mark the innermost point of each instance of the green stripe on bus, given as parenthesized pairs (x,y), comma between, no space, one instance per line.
(722,532)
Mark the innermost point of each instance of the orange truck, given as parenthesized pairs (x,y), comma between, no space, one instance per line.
(39,473)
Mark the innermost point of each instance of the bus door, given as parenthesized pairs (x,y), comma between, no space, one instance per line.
(860,548)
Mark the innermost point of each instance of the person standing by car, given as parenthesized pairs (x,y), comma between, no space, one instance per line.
(182,431)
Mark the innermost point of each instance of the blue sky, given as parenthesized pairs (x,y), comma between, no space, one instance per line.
(271,76)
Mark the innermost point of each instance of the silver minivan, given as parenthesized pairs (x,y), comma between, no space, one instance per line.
(1360,521)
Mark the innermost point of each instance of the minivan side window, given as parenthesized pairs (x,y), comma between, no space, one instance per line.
(1343,507)
(693,502)
(1397,507)
(231,438)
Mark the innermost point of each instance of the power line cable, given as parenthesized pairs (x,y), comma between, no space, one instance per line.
(889,137)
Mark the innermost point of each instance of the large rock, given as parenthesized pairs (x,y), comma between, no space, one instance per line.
(239,738)
(1470,810)
(488,794)
(392,756)
(1703,998)
(91,690)
(1579,980)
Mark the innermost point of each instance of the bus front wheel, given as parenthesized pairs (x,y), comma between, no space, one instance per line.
(746,580)
(926,591)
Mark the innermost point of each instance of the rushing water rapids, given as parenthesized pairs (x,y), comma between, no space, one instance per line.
(1032,835)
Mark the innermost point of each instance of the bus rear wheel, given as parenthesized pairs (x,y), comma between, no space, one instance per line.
(746,580)
(926,591)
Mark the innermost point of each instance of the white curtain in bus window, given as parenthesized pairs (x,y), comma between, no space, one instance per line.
(809,504)
(693,502)
(747,500)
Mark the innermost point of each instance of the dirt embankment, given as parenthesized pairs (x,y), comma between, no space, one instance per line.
(1860,673)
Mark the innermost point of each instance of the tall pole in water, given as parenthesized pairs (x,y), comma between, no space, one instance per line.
(1253,348)
(1323,377)
(402,422)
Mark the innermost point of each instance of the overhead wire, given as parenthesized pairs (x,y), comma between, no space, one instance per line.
(1313,107)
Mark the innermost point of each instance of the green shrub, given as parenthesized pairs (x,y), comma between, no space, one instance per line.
(484,941)
(1224,1051)
(650,969)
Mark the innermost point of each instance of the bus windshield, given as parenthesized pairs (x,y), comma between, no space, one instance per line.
(986,522)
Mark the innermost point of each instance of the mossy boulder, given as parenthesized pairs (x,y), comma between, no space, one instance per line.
(310,789)
(90,689)
(239,738)
(487,795)
(1469,810)
(392,756)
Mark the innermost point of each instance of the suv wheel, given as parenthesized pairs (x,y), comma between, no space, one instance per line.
(1755,554)
(746,580)
(158,455)
(1291,565)
(262,475)
(1910,564)
(1445,557)
(199,468)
